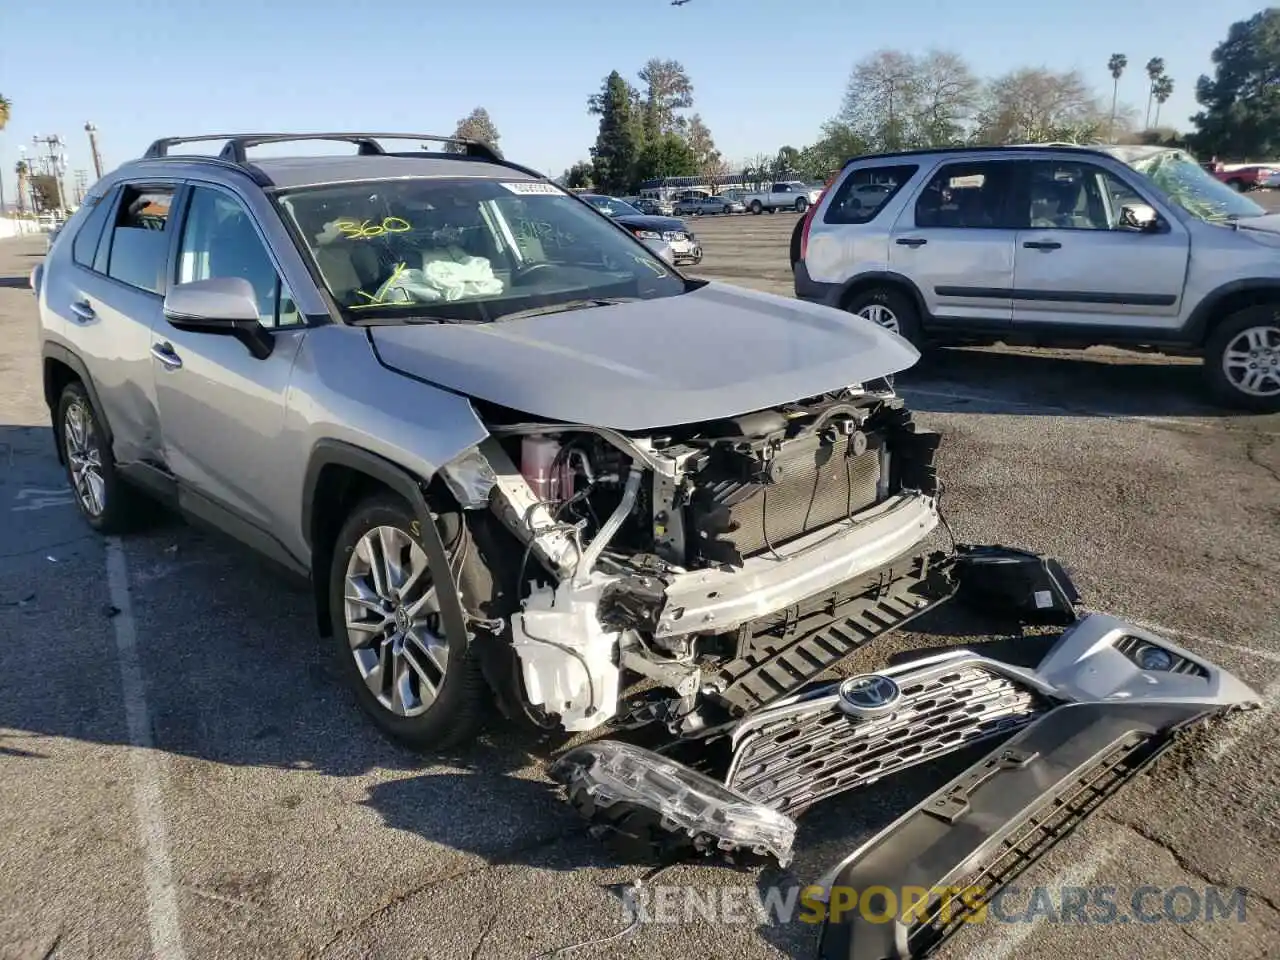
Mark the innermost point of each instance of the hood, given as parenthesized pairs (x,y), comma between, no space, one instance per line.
(649,222)
(712,353)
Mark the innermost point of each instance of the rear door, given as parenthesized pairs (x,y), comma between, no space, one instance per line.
(956,241)
(114,296)
(1077,266)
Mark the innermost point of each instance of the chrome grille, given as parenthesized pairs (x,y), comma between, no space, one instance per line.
(675,236)
(814,750)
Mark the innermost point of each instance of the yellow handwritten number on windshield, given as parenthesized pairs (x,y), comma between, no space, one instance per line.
(368,229)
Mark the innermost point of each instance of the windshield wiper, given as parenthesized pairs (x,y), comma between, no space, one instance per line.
(567,305)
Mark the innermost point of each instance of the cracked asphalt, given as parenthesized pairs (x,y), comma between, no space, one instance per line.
(289,828)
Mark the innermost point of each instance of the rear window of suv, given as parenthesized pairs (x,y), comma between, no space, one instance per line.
(864,193)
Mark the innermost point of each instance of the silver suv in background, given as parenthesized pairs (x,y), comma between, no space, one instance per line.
(1054,245)
(512,449)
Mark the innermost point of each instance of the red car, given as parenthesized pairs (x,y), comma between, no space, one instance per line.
(1241,178)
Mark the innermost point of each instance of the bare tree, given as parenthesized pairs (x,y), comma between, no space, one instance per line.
(1034,105)
(1116,65)
(883,91)
(666,88)
(947,98)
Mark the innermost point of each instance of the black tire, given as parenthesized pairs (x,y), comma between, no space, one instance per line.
(773,209)
(1236,185)
(459,708)
(121,510)
(802,205)
(757,207)
(1223,390)
(898,303)
(726,211)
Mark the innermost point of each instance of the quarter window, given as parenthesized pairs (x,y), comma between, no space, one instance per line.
(85,245)
(863,194)
(219,240)
(140,238)
(972,195)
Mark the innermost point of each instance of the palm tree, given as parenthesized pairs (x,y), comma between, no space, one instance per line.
(5,107)
(1116,65)
(1155,70)
(23,171)
(1161,89)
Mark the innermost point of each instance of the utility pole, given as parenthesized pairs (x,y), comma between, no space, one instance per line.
(93,146)
(82,185)
(55,163)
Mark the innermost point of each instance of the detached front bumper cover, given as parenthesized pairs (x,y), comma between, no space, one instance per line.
(1105,699)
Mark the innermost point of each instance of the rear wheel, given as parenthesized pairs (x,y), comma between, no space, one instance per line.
(1242,359)
(419,683)
(889,308)
(104,499)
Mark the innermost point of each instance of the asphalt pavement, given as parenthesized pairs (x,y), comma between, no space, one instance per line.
(181,775)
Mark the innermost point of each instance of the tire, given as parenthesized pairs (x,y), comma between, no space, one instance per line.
(436,709)
(795,243)
(1261,325)
(103,497)
(773,209)
(726,211)
(802,205)
(757,207)
(875,302)
(1236,185)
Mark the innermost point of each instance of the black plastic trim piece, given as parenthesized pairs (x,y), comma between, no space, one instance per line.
(1196,329)
(1070,760)
(214,515)
(1060,296)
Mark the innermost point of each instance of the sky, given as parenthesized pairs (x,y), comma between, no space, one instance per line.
(765,72)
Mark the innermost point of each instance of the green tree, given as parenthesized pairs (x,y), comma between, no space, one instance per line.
(476,125)
(667,88)
(838,143)
(620,137)
(1162,90)
(667,155)
(1116,65)
(578,176)
(1240,115)
(1155,70)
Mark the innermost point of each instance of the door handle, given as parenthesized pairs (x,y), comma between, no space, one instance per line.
(165,353)
(1042,245)
(911,241)
(83,312)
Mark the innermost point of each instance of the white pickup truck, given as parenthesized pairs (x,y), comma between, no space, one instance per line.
(789,195)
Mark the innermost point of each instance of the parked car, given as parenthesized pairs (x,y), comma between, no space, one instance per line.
(1242,177)
(655,206)
(714,204)
(791,195)
(1114,245)
(512,451)
(669,230)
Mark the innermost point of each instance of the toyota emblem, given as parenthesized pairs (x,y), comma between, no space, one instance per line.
(869,695)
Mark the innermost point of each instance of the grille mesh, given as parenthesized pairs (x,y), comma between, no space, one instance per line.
(804,757)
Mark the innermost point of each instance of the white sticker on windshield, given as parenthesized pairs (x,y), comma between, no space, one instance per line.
(531,188)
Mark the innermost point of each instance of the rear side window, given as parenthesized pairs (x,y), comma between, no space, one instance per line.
(864,193)
(969,195)
(85,245)
(140,238)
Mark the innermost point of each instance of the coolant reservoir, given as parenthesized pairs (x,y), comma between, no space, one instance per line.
(537,457)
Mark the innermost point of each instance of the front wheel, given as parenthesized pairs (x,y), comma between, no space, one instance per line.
(1242,359)
(802,205)
(889,308)
(757,207)
(417,681)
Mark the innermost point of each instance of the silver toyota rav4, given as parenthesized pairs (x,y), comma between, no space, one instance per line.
(512,448)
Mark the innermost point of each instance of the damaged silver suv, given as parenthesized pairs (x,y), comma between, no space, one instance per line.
(518,455)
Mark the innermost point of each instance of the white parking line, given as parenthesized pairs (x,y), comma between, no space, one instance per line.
(157,874)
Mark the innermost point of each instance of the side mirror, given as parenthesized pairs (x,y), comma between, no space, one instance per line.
(1140,217)
(225,305)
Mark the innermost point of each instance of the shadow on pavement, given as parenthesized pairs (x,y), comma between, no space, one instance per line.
(960,380)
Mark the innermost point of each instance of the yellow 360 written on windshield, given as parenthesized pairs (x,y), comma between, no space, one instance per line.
(364,230)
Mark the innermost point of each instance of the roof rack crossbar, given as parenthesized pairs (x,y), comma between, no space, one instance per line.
(367,143)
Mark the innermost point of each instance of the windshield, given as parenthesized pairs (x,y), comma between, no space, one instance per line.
(612,206)
(467,249)
(1199,193)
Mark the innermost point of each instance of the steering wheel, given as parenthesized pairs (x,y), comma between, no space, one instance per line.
(529,270)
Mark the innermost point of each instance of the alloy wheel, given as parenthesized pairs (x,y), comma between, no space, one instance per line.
(1251,361)
(879,313)
(393,621)
(84,458)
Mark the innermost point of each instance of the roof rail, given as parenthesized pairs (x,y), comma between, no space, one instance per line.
(367,143)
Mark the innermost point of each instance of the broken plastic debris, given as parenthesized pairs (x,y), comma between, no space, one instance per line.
(687,801)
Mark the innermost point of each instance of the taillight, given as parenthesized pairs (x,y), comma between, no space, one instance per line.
(808,215)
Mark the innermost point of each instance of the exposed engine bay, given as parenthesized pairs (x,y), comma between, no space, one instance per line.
(671,553)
